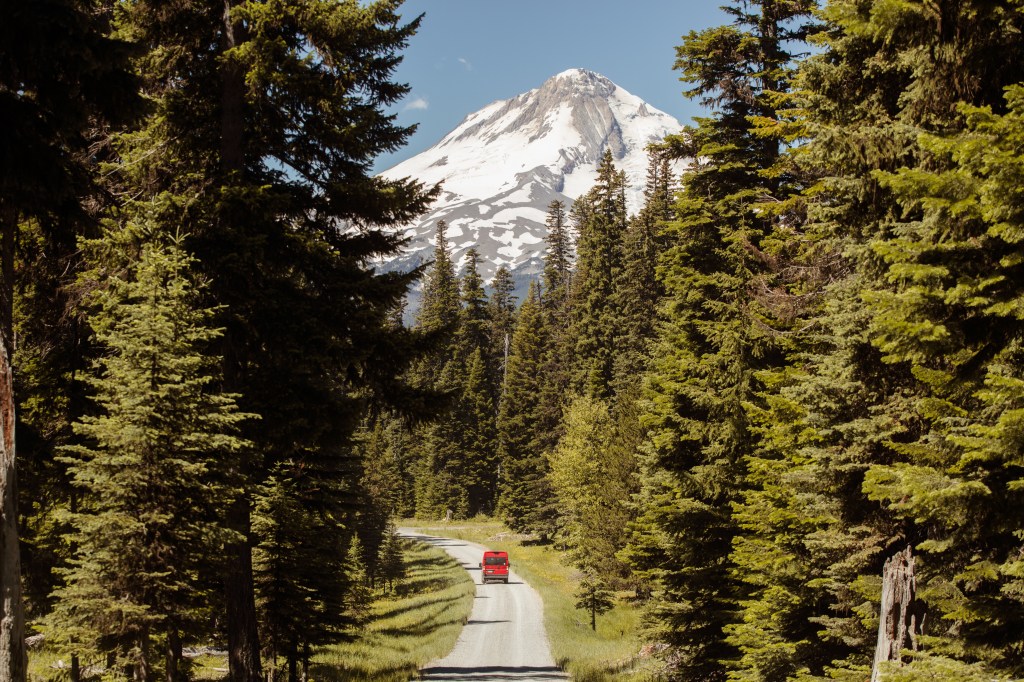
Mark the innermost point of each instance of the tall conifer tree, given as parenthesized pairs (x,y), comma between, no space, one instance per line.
(595,318)
(63,82)
(306,336)
(709,347)
(521,443)
(152,471)
(502,310)
(871,418)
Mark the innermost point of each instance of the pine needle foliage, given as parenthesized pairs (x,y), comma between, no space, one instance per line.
(711,341)
(152,471)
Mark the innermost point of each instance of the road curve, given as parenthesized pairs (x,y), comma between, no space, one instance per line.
(504,638)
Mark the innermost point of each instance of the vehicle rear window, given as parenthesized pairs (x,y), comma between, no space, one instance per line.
(495,561)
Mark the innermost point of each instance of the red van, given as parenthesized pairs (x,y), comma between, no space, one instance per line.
(494,567)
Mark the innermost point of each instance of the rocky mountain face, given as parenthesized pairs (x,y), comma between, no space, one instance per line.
(504,164)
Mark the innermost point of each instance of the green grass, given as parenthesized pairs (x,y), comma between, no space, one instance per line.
(406,631)
(416,624)
(610,653)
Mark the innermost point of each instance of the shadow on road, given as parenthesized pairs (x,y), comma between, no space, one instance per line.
(494,673)
(437,541)
(485,622)
(511,582)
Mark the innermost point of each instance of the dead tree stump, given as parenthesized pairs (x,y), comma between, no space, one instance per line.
(901,618)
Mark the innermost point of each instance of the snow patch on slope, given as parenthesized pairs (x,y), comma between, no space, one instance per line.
(505,163)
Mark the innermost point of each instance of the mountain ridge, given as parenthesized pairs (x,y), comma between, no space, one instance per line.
(502,166)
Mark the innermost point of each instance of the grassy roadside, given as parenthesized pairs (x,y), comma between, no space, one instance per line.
(408,630)
(604,655)
(405,630)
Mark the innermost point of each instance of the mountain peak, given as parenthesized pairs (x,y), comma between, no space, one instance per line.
(578,82)
(505,163)
(580,75)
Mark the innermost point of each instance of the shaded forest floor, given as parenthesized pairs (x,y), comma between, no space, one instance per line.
(415,624)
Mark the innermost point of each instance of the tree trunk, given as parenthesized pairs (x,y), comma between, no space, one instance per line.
(901,617)
(13,659)
(173,654)
(293,670)
(142,667)
(243,639)
(243,635)
(232,114)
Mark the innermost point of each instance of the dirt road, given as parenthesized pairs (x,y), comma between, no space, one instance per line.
(504,638)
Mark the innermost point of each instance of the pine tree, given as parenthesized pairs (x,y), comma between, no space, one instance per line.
(596,321)
(523,463)
(948,307)
(593,596)
(558,259)
(386,490)
(151,471)
(477,439)
(474,322)
(710,346)
(638,292)
(555,306)
(307,341)
(502,312)
(867,422)
(439,309)
(591,480)
(359,595)
(301,570)
(65,82)
(392,561)
(439,476)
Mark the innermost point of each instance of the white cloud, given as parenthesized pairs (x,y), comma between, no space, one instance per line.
(418,102)
(465,63)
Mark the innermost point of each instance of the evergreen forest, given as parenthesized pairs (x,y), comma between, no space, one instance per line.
(794,373)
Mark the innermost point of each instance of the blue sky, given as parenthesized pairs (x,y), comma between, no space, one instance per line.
(469,53)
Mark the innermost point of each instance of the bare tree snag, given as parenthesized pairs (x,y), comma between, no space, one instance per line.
(13,660)
(901,617)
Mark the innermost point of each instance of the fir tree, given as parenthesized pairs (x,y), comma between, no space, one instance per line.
(474,322)
(477,440)
(523,463)
(709,348)
(596,320)
(300,570)
(392,561)
(306,339)
(556,306)
(558,259)
(151,471)
(386,490)
(948,308)
(866,422)
(593,596)
(64,84)
(591,479)
(638,292)
(439,309)
(502,312)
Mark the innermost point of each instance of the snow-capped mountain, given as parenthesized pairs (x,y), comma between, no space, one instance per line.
(504,164)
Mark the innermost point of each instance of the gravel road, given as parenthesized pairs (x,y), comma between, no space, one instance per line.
(504,638)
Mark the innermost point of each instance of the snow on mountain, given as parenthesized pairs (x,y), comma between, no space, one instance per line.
(504,164)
